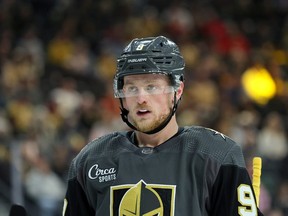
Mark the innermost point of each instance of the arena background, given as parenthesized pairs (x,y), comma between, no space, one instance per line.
(57,60)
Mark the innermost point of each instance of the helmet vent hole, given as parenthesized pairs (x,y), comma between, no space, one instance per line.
(163,60)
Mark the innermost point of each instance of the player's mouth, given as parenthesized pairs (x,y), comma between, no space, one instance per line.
(143,112)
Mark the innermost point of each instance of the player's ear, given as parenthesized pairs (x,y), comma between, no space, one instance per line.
(180,90)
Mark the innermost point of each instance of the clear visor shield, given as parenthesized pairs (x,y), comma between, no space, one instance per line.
(154,84)
(135,91)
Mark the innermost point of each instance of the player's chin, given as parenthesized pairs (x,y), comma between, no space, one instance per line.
(147,126)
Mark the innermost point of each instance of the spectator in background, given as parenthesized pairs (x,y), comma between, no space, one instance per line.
(44,187)
(41,184)
(66,98)
(272,147)
(272,139)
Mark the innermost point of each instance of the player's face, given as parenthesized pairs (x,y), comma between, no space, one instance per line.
(149,100)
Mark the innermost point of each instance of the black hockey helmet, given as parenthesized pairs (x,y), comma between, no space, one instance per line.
(156,55)
(151,55)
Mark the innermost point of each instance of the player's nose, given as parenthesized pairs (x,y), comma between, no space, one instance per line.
(142,97)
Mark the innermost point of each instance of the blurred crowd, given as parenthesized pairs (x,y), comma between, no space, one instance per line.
(58,58)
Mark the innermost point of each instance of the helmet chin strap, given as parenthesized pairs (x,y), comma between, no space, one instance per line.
(124,116)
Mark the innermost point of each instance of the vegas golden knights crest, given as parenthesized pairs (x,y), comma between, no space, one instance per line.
(142,199)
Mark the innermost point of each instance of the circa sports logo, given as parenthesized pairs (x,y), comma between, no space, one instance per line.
(102,174)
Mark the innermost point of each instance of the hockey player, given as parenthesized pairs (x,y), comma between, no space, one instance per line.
(157,168)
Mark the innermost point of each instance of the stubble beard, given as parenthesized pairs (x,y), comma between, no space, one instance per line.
(146,125)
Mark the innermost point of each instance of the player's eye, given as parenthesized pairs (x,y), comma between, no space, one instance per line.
(130,90)
(152,89)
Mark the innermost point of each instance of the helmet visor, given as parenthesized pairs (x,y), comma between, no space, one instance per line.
(135,91)
(144,84)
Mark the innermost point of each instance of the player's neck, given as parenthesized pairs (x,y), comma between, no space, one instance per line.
(153,140)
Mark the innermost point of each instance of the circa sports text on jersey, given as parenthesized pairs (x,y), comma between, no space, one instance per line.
(142,199)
